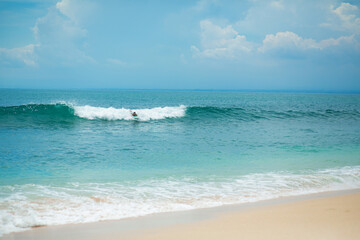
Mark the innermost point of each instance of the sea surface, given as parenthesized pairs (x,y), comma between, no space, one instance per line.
(79,156)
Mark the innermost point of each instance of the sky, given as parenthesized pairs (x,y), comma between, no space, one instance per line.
(300,45)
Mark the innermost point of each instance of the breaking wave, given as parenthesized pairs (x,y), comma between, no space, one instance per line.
(63,112)
(111,113)
(68,112)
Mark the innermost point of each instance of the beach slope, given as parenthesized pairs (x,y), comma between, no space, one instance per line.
(336,217)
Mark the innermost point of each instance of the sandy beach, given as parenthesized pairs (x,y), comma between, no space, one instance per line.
(332,215)
(327,218)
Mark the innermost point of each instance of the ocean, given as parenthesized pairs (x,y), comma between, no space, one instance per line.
(75,156)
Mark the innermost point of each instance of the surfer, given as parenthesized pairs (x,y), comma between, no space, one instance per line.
(134,114)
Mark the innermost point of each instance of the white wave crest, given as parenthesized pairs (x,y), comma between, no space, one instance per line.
(90,112)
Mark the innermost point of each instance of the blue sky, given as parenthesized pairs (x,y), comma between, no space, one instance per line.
(205,44)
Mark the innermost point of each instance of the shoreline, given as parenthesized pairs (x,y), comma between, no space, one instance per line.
(171,224)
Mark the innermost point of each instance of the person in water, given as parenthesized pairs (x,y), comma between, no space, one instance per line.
(134,114)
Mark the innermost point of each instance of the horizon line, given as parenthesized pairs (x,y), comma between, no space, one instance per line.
(190,90)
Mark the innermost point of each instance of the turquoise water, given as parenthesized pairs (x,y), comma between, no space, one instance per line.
(79,156)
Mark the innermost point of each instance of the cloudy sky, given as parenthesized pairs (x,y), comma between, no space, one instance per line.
(181,44)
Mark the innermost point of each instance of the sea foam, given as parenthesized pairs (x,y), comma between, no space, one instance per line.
(157,113)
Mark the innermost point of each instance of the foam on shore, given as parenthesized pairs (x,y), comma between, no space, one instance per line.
(29,205)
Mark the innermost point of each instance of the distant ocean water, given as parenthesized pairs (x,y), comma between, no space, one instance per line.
(79,156)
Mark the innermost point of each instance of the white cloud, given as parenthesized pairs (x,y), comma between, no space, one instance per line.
(346,11)
(217,42)
(226,43)
(53,27)
(23,55)
(341,41)
(61,35)
(349,16)
(65,8)
(287,40)
(76,10)
(264,16)
(291,41)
